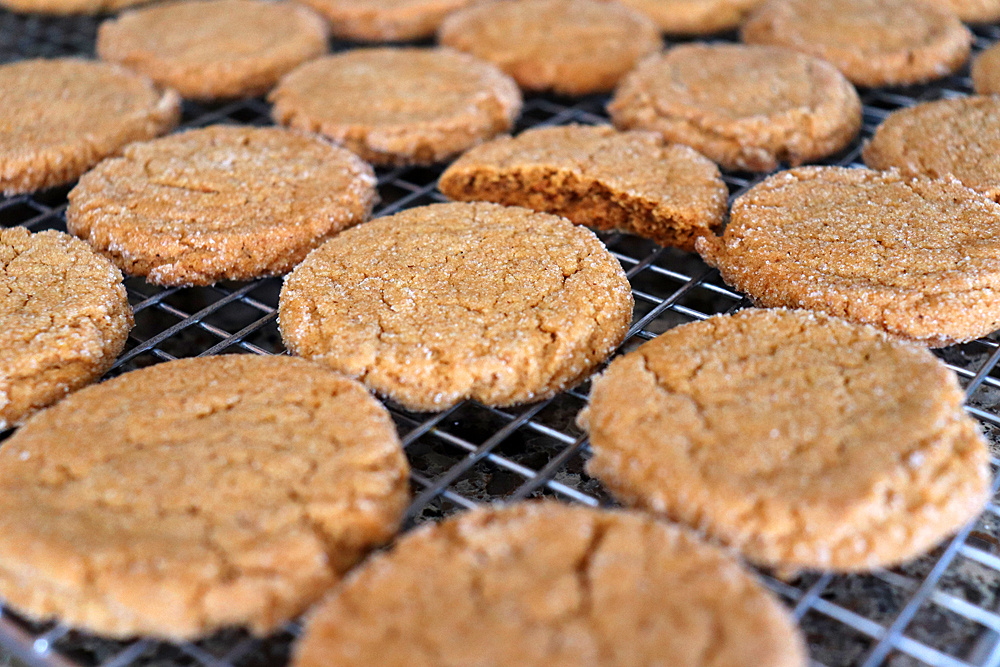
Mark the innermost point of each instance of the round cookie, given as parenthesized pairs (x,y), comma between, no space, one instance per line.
(694,17)
(919,258)
(549,584)
(958,138)
(985,71)
(219,203)
(63,116)
(746,107)
(972,11)
(800,439)
(873,42)
(571,47)
(197,494)
(64,318)
(448,302)
(68,6)
(596,176)
(385,20)
(399,106)
(211,49)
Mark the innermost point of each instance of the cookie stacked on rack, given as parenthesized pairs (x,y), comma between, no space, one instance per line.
(176,500)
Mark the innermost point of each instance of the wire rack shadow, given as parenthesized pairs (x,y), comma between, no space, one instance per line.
(942,610)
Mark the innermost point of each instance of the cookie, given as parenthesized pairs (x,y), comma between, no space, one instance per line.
(972,11)
(64,317)
(212,49)
(746,107)
(549,584)
(219,203)
(985,71)
(195,495)
(385,20)
(957,138)
(571,47)
(595,176)
(694,17)
(448,302)
(873,42)
(852,449)
(63,116)
(399,106)
(68,6)
(919,258)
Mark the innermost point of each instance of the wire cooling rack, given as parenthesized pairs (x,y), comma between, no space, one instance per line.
(941,610)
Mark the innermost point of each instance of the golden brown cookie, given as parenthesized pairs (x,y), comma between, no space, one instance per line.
(595,176)
(694,17)
(63,116)
(958,138)
(985,71)
(972,11)
(571,47)
(64,317)
(195,495)
(68,6)
(448,302)
(919,258)
(211,49)
(399,106)
(800,439)
(219,203)
(873,42)
(746,107)
(554,585)
(385,20)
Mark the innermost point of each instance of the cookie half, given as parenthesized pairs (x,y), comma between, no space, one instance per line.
(212,49)
(448,302)
(595,176)
(385,20)
(873,42)
(985,71)
(695,17)
(919,258)
(64,318)
(571,47)
(746,107)
(958,138)
(219,203)
(63,116)
(800,439)
(549,584)
(399,106)
(195,495)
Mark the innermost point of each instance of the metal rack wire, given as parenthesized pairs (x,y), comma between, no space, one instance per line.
(942,610)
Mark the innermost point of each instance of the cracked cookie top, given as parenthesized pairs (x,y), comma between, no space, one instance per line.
(453,301)
(802,440)
(196,494)
(873,42)
(211,49)
(914,256)
(571,47)
(399,106)
(222,202)
(957,138)
(384,20)
(746,107)
(64,115)
(64,317)
(549,584)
